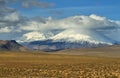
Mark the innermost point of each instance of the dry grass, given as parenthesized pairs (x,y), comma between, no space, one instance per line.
(40,65)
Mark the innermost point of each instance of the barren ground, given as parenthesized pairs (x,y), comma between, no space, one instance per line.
(42,65)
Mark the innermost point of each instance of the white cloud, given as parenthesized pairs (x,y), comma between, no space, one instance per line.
(33,36)
(74,22)
(13,17)
(89,28)
(10,19)
(97,17)
(36,3)
(5,30)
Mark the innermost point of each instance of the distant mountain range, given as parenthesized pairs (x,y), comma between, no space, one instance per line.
(72,32)
(68,39)
(47,45)
(51,45)
(11,45)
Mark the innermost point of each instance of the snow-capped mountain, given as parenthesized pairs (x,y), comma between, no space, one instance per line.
(68,39)
(33,36)
(81,36)
(74,32)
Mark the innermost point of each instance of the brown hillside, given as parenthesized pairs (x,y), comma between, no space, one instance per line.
(11,45)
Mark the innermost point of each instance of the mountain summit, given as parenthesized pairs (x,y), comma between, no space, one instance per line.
(72,32)
(11,45)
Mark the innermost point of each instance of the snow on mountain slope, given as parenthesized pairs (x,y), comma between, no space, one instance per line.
(113,34)
(93,29)
(37,35)
(81,35)
(33,36)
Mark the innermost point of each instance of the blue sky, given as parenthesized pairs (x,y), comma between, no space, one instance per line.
(17,16)
(66,8)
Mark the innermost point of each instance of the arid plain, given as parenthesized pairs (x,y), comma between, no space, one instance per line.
(63,64)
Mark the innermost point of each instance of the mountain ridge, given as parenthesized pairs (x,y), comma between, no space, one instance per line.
(51,45)
(11,45)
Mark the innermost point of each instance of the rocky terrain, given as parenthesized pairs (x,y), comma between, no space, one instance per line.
(11,45)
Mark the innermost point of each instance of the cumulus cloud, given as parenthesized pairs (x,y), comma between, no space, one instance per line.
(74,22)
(13,17)
(10,19)
(5,30)
(37,28)
(28,3)
(36,3)
(33,36)
(91,27)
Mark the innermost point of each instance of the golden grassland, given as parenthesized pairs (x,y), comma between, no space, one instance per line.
(42,65)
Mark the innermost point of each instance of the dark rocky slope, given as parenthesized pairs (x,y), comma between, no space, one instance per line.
(11,45)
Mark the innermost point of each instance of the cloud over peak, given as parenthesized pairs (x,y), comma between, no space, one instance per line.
(74,22)
(23,28)
(92,27)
